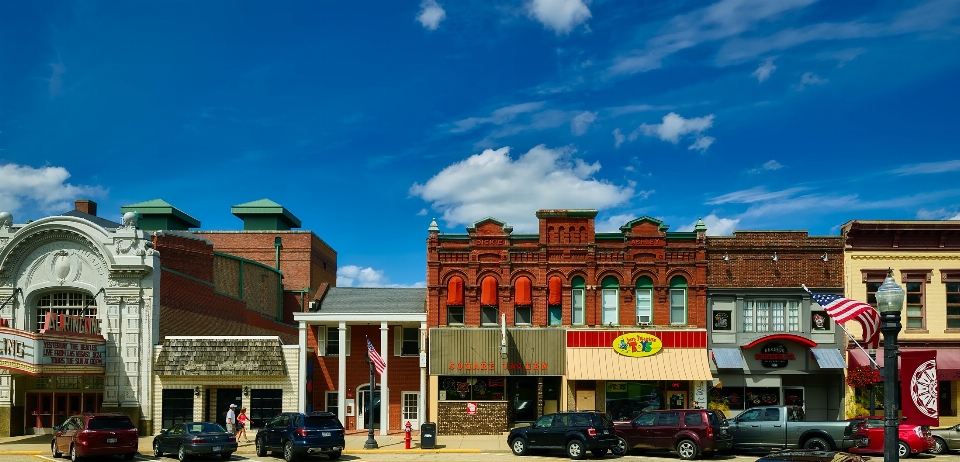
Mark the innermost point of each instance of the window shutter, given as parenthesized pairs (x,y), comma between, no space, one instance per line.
(321,340)
(346,349)
(397,340)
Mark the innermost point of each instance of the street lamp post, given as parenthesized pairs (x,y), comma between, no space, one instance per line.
(889,304)
(371,442)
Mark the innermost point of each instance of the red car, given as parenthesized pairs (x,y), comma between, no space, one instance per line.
(89,435)
(913,439)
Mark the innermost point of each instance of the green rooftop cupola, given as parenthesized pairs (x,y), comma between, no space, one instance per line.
(700,226)
(158,214)
(265,215)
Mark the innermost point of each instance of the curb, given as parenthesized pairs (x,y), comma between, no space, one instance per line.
(410,451)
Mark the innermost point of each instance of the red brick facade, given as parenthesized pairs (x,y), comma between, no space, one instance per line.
(745,260)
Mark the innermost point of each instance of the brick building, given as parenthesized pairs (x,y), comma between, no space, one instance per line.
(769,343)
(567,318)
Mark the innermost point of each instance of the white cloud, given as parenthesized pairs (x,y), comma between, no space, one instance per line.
(513,190)
(810,78)
(716,226)
(618,137)
(955,217)
(769,165)
(581,122)
(498,117)
(929,167)
(755,194)
(842,56)
(938,214)
(40,190)
(356,276)
(674,126)
(560,15)
(431,14)
(766,68)
(422,213)
(701,143)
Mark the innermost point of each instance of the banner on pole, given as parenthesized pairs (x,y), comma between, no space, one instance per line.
(919,391)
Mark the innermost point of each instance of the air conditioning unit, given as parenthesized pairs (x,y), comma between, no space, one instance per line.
(643,320)
(313,305)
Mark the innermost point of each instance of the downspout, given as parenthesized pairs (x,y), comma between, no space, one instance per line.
(278,243)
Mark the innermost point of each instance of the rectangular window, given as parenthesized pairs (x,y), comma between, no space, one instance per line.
(523,315)
(771,316)
(454,315)
(777,315)
(747,316)
(576,307)
(915,285)
(265,404)
(611,299)
(953,305)
(489,315)
(411,342)
(409,403)
(332,402)
(763,316)
(793,315)
(644,307)
(555,314)
(333,341)
(678,306)
(177,406)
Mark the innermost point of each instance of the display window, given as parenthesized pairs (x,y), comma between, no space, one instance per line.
(739,398)
(626,400)
(453,388)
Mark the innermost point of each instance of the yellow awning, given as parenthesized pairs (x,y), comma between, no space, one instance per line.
(607,364)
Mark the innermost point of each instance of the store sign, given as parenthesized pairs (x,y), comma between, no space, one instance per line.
(774,355)
(50,352)
(492,366)
(54,322)
(637,344)
(471,408)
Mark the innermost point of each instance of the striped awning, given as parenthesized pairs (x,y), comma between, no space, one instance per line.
(829,358)
(607,364)
(728,358)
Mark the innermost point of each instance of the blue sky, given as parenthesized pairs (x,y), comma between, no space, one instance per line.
(367,119)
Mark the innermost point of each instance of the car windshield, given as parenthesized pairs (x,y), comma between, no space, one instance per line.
(205,428)
(110,423)
(320,422)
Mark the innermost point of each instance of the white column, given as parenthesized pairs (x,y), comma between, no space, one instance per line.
(384,389)
(421,401)
(302,365)
(342,373)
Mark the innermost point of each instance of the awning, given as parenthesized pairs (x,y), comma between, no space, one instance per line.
(829,358)
(728,358)
(607,364)
(948,361)
(223,356)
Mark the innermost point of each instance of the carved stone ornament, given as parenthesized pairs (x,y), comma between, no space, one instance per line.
(112,299)
(123,282)
(124,246)
(64,267)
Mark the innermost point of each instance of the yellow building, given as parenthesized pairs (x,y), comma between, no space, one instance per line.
(925,259)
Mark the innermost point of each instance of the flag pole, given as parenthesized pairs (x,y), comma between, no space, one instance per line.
(867,354)
(371,442)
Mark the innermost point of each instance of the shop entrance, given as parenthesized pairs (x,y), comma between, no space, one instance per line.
(226,397)
(44,410)
(363,404)
(524,394)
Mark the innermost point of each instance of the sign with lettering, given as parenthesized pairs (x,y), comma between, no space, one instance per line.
(774,355)
(637,344)
(492,366)
(51,352)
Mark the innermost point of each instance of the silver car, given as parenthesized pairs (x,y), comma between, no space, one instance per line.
(945,439)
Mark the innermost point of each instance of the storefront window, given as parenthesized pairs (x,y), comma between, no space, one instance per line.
(771,316)
(626,400)
(454,388)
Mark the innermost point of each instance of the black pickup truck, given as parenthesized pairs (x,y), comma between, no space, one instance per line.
(783,427)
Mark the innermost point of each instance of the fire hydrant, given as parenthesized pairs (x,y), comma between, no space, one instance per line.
(407,432)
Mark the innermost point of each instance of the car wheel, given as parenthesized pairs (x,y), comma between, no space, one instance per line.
(288,451)
(619,449)
(226,455)
(181,454)
(334,455)
(575,449)
(939,446)
(904,450)
(519,446)
(53,449)
(156,449)
(73,454)
(817,444)
(598,453)
(261,449)
(687,449)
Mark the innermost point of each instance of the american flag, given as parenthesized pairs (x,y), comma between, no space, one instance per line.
(375,358)
(844,309)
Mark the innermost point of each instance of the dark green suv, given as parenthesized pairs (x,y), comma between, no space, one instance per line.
(298,434)
(574,431)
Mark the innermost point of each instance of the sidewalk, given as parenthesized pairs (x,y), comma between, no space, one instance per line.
(355,441)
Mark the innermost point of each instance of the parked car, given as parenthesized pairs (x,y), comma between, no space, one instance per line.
(195,439)
(575,431)
(690,432)
(913,439)
(89,435)
(784,427)
(298,434)
(945,439)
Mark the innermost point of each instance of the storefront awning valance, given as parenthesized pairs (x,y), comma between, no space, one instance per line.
(607,364)
(728,358)
(829,358)
(948,361)
(216,356)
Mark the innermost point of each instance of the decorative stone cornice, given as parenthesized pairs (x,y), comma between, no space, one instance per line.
(23,248)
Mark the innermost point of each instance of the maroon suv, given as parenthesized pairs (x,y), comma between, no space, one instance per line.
(89,435)
(690,432)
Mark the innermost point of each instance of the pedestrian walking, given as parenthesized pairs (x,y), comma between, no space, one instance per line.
(232,419)
(242,421)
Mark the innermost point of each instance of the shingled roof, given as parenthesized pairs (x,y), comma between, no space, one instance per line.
(374,300)
(221,356)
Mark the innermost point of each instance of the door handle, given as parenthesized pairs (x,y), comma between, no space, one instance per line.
(778,426)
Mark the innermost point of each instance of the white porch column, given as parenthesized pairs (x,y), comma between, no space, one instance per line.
(384,389)
(302,365)
(342,372)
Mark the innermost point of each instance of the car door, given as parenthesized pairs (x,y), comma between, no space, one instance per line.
(746,429)
(537,436)
(953,437)
(663,431)
(772,430)
(269,430)
(64,436)
(174,438)
(639,436)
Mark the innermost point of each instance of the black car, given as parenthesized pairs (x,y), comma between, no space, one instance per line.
(575,431)
(298,434)
(195,439)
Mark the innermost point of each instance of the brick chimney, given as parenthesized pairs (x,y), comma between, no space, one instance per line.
(86,206)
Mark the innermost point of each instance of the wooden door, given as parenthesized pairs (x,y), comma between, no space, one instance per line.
(586,400)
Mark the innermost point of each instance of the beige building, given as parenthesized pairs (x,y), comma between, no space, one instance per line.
(925,259)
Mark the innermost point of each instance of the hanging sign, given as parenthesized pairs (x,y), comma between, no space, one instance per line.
(637,344)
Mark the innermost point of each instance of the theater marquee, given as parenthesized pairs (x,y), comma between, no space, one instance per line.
(52,352)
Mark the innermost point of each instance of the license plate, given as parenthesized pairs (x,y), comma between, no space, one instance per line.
(217,448)
(325,433)
(111,440)
(606,432)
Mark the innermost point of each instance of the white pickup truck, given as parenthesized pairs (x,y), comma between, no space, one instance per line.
(767,427)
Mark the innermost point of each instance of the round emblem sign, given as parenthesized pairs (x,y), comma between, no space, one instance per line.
(923,389)
(774,355)
(637,344)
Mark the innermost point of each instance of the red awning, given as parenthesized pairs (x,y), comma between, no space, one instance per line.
(948,361)
(522,295)
(555,291)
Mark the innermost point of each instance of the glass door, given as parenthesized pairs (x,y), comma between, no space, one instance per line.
(363,418)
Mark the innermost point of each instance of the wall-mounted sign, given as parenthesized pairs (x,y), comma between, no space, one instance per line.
(51,352)
(637,344)
(471,408)
(774,355)
(721,320)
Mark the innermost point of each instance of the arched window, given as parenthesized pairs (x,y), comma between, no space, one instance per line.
(555,301)
(523,301)
(644,297)
(65,303)
(488,301)
(678,300)
(576,301)
(611,300)
(455,300)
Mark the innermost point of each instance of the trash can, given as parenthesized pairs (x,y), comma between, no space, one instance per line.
(428,435)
